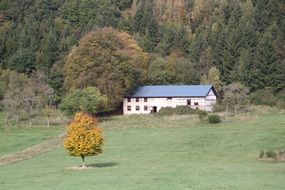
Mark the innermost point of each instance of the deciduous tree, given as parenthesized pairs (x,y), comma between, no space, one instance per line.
(108,59)
(88,100)
(84,138)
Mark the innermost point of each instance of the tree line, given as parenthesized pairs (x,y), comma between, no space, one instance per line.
(115,46)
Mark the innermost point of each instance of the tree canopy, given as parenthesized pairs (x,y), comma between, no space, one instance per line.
(108,59)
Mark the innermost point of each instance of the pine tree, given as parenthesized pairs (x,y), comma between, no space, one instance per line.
(267,71)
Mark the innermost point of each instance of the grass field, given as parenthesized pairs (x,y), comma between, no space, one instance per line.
(20,137)
(175,152)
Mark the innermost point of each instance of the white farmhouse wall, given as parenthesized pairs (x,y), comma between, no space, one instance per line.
(196,103)
(211,100)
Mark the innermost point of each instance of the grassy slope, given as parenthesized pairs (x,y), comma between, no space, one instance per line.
(191,157)
(17,138)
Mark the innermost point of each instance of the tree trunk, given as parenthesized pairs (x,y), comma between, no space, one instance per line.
(227,110)
(48,123)
(83,162)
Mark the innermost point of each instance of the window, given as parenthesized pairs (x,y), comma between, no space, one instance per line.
(129,99)
(129,108)
(196,104)
(145,108)
(145,99)
(138,108)
(189,102)
(137,99)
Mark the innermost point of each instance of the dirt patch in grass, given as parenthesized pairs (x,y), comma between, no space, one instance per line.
(32,151)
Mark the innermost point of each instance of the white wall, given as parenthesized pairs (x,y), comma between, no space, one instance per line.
(204,103)
(211,99)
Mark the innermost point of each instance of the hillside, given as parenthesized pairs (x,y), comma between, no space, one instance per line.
(151,152)
(183,39)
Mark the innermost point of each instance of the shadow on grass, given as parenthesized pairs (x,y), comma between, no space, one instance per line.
(102,165)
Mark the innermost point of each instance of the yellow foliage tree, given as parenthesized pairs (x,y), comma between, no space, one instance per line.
(84,138)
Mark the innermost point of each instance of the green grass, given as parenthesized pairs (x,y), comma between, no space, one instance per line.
(176,152)
(17,138)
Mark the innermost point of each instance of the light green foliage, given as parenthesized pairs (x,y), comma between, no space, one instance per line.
(88,100)
(235,96)
(214,78)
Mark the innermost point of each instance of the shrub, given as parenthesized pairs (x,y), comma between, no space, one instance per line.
(261,154)
(271,154)
(263,97)
(213,119)
(179,110)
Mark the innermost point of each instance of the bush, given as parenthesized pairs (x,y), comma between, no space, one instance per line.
(263,97)
(271,154)
(179,110)
(213,119)
(261,154)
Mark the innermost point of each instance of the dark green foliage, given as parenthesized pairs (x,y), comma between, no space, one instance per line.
(271,154)
(214,119)
(244,40)
(262,154)
(174,38)
(23,61)
(267,71)
(179,110)
(267,97)
(145,25)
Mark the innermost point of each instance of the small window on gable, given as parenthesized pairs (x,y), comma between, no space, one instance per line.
(145,108)
(137,99)
(145,99)
(129,108)
(138,108)
(129,99)
(196,104)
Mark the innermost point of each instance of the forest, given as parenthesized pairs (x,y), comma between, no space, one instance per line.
(53,52)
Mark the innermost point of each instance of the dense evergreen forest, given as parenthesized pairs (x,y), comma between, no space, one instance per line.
(117,45)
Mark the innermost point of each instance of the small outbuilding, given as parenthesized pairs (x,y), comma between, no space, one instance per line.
(150,99)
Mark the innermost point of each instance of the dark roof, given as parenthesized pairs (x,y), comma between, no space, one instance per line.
(173,91)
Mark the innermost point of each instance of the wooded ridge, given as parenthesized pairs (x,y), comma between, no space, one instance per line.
(119,44)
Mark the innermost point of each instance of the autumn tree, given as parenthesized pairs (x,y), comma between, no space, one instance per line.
(108,59)
(84,138)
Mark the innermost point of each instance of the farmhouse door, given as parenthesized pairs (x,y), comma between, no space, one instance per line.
(154,109)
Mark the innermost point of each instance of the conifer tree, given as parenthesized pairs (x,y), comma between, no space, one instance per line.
(267,71)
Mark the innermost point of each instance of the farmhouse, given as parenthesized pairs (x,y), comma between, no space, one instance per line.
(150,99)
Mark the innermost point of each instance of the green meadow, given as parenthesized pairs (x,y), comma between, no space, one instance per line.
(157,152)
